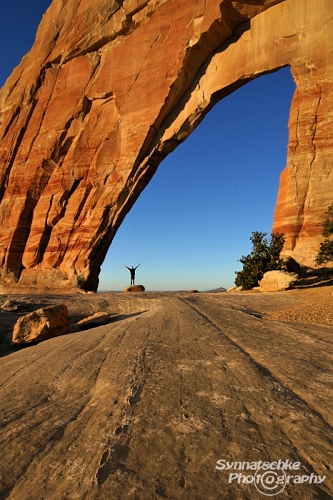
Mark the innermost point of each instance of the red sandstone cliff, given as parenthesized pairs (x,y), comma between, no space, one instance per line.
(109,89)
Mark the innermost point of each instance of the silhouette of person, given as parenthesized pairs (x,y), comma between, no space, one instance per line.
(132,271)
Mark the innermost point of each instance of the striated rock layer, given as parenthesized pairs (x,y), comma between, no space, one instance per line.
(109,89)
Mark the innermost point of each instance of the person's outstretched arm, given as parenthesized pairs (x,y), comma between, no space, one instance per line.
(126,266)
(137,266)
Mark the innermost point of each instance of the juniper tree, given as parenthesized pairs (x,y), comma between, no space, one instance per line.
(265,256)
(325,253)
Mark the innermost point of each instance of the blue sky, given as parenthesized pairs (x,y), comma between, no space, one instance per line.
(193,221)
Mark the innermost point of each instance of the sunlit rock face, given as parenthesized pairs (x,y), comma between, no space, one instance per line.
(109,89)
(306,184)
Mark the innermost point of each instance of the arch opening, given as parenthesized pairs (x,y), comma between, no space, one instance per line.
(194,219)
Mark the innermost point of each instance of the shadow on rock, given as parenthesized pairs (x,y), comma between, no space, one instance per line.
(315,278)
(121,317)
(7,347)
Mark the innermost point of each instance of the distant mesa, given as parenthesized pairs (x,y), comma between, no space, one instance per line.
(72,164)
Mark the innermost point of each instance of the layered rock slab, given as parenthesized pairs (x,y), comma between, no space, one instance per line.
(97,319)
(108,90)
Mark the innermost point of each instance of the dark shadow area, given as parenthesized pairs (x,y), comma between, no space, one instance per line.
(6,346)
(113,319)
(251,312)
(315,278)
(120,317)
(5,350)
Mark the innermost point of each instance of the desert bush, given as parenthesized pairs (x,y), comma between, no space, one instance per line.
(325,253)
(265,256)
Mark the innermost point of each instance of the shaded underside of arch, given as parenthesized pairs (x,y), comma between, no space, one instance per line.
(108,90)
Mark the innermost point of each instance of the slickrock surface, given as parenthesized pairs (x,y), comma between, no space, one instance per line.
(110,88)
(144,407)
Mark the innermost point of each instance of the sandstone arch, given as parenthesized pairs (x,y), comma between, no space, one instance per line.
(108,90)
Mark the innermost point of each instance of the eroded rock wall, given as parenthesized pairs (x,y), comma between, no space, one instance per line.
(306,184)
(109,89)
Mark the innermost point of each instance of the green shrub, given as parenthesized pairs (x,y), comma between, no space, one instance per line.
(325,253)
(265,256)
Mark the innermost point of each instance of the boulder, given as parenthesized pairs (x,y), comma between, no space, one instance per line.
(42,324)
(9,306)
(135,288)
(97,319)
(235,289)
(277,281)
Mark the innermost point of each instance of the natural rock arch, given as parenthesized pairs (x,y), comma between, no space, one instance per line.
(108,90)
